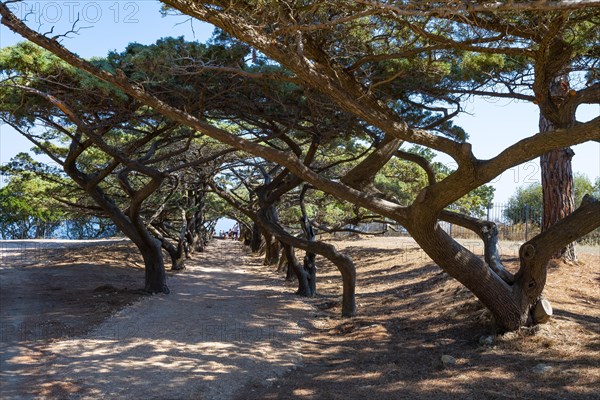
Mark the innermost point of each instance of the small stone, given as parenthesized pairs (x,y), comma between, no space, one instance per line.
(448,360)
(570,371)
(510,336)
(443,342)
(542,369)
(486,340)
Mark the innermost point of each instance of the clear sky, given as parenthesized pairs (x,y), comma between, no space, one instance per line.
(111,25)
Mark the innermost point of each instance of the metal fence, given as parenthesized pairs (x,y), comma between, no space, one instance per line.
(520,224)
(514,224)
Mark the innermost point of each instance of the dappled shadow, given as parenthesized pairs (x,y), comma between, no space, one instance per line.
(224,322)
(410,315)
(232,329)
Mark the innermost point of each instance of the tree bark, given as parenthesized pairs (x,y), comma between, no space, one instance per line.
(155,276)
(271,248)
(177,253)
(511,304)
(304,287)
(557,192)
(310,267)
(256,239)
(343,263)
(558,197)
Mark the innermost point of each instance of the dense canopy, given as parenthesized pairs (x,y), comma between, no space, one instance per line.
(303,117)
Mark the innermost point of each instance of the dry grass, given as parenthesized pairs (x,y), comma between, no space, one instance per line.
(411,313)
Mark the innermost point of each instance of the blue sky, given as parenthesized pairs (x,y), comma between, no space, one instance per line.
(111,25)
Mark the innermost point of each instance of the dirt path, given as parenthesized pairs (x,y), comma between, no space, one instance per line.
(224,328)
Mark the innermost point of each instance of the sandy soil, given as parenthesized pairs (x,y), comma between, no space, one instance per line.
(232,329)
(227,324)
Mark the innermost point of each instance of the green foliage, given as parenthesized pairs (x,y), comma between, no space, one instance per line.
(583,186)
(476,202)
(477,66)
(33,204)
(26,212)
(28,65)
(402,180)
(525,198)
(531,197)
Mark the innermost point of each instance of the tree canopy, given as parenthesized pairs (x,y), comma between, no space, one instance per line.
(323,101)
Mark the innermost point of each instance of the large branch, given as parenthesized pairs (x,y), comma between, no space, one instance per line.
(341,261)
(421,162)
(575,225)
(363,174)
(463,180)
(536,253)
(461,7)
(322,74)
(283,158)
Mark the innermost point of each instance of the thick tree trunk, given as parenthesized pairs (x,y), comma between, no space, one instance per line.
(155,276)
(271,249)
(304,286)
(177,252)
(471,271)
(290,275)
(178,259)
(177,256)
(310,270)
(511,304)
(488,232)
(341,261)
(558,193)
(557,174)
(246,235)
(310,267)
(256,238)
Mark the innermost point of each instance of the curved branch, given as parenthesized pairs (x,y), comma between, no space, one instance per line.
(421,162)
(488,232)
(341,261)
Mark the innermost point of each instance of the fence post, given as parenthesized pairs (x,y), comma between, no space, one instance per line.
(526,222)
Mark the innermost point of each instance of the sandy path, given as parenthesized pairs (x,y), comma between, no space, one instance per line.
(224,328)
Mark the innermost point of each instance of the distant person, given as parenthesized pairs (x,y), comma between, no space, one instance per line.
(236,231)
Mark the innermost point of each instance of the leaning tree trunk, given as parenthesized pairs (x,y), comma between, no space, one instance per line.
(304,285)
(290,274)
(341,261)
(512,301)
(246,235)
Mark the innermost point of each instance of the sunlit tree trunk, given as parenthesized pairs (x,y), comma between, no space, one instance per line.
(557,177)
